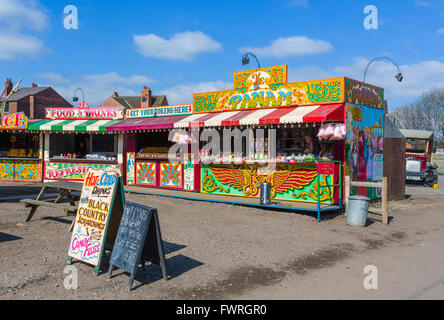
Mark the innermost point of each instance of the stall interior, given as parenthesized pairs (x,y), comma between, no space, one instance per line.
(153,145)
(19,145)
(87,146)
(293,145)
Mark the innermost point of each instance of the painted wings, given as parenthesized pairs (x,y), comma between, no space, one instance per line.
(237,178)
(283,181)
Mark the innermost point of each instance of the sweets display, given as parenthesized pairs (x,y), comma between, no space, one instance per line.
(20,153)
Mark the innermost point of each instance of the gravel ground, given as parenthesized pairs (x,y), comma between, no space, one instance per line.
(213,251)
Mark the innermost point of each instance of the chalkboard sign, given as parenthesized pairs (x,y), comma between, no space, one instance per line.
(138,240)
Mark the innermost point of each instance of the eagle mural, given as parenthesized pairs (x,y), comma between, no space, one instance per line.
(248,180)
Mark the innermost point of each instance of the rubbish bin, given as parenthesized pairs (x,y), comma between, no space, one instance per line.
(357,210)
(265,193)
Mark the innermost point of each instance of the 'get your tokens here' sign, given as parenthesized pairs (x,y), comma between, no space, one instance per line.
(95,206)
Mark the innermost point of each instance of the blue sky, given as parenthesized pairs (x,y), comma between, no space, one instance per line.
(182,47)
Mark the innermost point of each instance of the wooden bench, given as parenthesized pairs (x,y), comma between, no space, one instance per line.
(34,204)
(65,188)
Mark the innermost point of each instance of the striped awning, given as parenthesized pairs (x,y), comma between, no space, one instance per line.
(72,125)
(303,114)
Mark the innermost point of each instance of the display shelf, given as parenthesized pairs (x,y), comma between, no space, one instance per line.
(82,160)
(19,159)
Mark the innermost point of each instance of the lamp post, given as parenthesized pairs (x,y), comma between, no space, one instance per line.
(75,99)
(398,76)
(246,60)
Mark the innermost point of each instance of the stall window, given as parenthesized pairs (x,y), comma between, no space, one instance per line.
(81,146)
(103,143)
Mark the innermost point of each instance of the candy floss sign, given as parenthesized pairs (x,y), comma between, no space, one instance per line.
(93,214)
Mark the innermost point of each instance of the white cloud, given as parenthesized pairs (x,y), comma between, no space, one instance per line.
(291,47)
(418,77)
(97,87)
(16,16)
(183,94)
(440,31)
(14,45)
(182,46)
(52,77)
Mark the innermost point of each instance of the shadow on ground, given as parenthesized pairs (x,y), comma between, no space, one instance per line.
(5,237)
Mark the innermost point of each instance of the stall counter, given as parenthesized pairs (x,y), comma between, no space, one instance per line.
(20,169)
(289,181)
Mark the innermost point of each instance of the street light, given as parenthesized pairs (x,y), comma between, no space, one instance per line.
(398,76)
(75,99)
(246,60)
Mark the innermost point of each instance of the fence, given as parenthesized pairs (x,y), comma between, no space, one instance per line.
(384,198)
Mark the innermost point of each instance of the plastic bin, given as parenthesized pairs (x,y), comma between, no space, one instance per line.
(357,210)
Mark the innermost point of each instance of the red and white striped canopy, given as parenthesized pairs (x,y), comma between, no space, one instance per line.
(317,113)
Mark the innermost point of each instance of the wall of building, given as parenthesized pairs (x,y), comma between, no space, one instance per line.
(48,98)
(394,167)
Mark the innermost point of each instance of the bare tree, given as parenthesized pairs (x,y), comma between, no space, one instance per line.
(426,113)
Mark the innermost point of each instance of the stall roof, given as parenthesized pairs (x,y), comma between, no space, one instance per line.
(390,130)
(72,125)
(146,123)
(317,113)
(417,134)
(329,112)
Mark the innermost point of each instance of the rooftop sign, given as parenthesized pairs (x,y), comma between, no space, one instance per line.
(14,121)
(268,88)
(84,113)
(162,111)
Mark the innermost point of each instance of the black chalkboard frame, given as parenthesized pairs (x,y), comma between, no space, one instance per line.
(150,247)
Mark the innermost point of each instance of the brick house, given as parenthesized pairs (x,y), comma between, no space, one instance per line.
(145,100)
(33,100)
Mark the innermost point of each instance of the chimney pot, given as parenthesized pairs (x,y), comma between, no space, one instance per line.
(145,97)
(34,85)
(8,86)
(115,94)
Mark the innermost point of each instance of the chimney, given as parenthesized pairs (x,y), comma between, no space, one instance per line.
(34,85)
(8,86)
(145,99)
(115,94)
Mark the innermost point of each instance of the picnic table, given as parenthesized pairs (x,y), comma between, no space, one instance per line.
(60,202)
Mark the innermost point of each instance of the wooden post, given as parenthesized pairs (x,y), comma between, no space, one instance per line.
(346,193)
(384,203)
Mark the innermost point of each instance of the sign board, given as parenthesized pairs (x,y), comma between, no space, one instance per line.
(84,114)
(363,93)
(176,110)
(14,121)
(130,168)
(72,170)
(327,168)
(188,168)
(138,240)
(378,167)
(268,88)
(102,190)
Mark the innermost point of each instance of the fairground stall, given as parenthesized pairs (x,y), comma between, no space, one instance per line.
(20,150)
(76,139)
(323,130)
(146,149)
(300,137)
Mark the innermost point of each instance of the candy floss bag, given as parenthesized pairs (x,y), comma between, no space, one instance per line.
(326,132)
(337,132)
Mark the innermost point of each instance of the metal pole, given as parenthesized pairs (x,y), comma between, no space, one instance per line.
(378,59)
